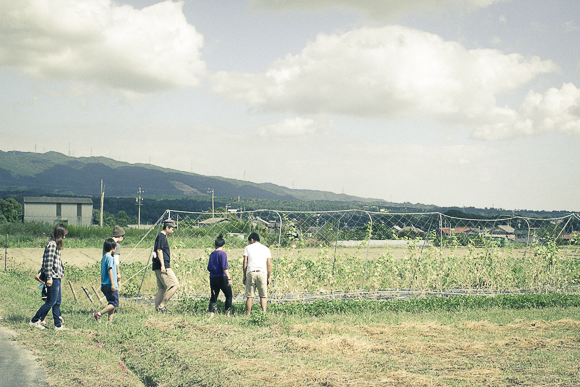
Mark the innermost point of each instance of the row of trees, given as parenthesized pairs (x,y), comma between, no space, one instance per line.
(10,211)
(109,220)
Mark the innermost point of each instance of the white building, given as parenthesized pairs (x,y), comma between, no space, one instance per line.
(76,211)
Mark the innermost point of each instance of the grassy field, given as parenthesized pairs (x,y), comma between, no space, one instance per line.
(522,340)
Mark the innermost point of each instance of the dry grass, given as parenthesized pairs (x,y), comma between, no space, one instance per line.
(419,350)
(469,353)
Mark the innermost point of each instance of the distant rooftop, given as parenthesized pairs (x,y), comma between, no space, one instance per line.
(46,199)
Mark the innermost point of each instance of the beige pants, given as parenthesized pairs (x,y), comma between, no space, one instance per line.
(165,281)
(256,280)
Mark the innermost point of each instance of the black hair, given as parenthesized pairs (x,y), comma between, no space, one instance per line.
(109,245)
(219,241)
(254,236)
(58,233)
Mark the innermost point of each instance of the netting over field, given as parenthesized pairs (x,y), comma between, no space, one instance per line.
(342,253)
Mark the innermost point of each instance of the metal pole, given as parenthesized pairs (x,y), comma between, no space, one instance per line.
(335,246)
(368,246)
(277,250)
(525,253)
(139,200)
(6,252)
(441,249)
(102,199)
(159,225)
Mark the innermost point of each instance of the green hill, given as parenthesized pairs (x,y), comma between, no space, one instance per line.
(56,173)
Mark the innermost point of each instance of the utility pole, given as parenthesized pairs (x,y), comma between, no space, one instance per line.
(102,200)
(139,202)
(210,190)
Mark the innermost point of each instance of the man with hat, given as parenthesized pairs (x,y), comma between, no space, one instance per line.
(167,283)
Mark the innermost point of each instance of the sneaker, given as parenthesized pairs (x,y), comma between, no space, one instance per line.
(43,322)
(60,328)
(36,324)
(97,316)
(164,310)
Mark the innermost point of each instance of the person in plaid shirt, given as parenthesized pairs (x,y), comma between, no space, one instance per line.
(54,270)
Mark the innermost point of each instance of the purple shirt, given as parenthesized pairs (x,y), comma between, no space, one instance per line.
(218,262)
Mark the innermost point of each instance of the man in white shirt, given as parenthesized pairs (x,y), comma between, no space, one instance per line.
(257,271)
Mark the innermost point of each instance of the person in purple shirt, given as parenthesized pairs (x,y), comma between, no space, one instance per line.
(219,276)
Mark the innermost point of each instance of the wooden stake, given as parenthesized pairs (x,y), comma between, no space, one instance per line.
(97,295)
(88,294)
(73,291)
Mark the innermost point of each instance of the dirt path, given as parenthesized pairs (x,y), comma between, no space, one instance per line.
(18,367)
(31,258)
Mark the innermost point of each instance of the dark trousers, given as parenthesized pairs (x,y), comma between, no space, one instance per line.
(217,284)
(53,301)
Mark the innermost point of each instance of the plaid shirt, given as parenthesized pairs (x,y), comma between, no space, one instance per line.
(51,262)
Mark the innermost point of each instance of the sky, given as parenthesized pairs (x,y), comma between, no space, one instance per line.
(444,102)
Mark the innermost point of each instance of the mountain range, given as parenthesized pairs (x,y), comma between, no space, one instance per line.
(53,173)
(56,173)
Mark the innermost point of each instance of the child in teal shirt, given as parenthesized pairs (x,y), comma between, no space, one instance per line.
(109,284)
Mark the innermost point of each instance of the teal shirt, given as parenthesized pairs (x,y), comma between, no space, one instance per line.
(108,262)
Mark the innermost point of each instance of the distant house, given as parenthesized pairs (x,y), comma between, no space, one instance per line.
(77,211)
(503,231)
(270,225)
(456,230)
(525,235)
(474,231)
(213,221)
(412,228)
(572,237)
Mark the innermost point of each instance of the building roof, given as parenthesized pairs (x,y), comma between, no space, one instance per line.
(572,235)
(211,221)
(506,228)
(412,228)
(45,199)
(524,231)
(456,230)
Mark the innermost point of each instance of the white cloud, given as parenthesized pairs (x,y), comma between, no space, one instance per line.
(392,71)
(555,110)
(571,26)
(98,43)
(30,102)
(382,9)
(297,127)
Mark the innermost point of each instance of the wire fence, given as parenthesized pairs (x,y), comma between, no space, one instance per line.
(375,255)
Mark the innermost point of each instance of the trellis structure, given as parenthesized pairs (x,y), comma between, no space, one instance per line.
(361,253)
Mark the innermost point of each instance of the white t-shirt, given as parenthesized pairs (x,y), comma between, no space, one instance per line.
(117,254)
(258,255)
